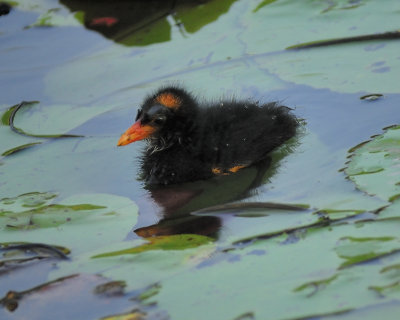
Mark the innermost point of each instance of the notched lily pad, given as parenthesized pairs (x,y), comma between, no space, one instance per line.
(375,165)
(172,242)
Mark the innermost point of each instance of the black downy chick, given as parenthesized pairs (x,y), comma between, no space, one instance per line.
(188,141)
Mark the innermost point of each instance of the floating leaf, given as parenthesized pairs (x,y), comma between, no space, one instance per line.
(32,199)
(153,290)
(333,214)
(359,250)
(50,216)
(57,17)
(395,267)
(263,4)
(172,242)
(391,289)
(16,254)
(93,219)
(315,286)
(371,97)
(196,17)
(134,315)
(394,35)
(11,118)
(19,148)
(374,165)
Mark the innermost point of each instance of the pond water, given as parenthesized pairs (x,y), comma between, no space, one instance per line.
(98,243)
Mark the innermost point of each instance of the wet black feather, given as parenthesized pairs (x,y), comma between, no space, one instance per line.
(196,138)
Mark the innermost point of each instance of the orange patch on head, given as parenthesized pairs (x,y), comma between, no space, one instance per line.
(169,100)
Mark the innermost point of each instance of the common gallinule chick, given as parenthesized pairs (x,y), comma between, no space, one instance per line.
(188,141)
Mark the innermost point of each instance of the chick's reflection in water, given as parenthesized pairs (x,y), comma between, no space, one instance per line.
(179,203)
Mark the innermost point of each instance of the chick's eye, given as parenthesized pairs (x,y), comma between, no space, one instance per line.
(159,120)
(139,113)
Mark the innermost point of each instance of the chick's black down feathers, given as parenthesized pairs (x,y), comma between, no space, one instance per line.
(189,141)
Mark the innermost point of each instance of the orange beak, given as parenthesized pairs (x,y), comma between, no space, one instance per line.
(135,133)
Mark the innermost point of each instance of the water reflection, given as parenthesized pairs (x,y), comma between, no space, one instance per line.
(141,23)
(179,202)
(5,8)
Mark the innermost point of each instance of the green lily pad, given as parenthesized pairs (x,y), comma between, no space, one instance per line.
(19,148)
(298,279)
(94,219)
(51,14)
(315,286)
(374,165)
(391,289)
(325,67)
(172,242)
(358,250)
(338,214)
(48,122)
(151,264)
(193,19)
(27,200)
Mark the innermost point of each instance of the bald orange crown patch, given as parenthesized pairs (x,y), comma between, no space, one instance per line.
(169,100)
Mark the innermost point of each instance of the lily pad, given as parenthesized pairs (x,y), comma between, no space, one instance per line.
(374,165)
(358,250)
(293,283)
(172,242)
(51,13)
(391,289)
(19,148)
(27,200)
(94,218)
